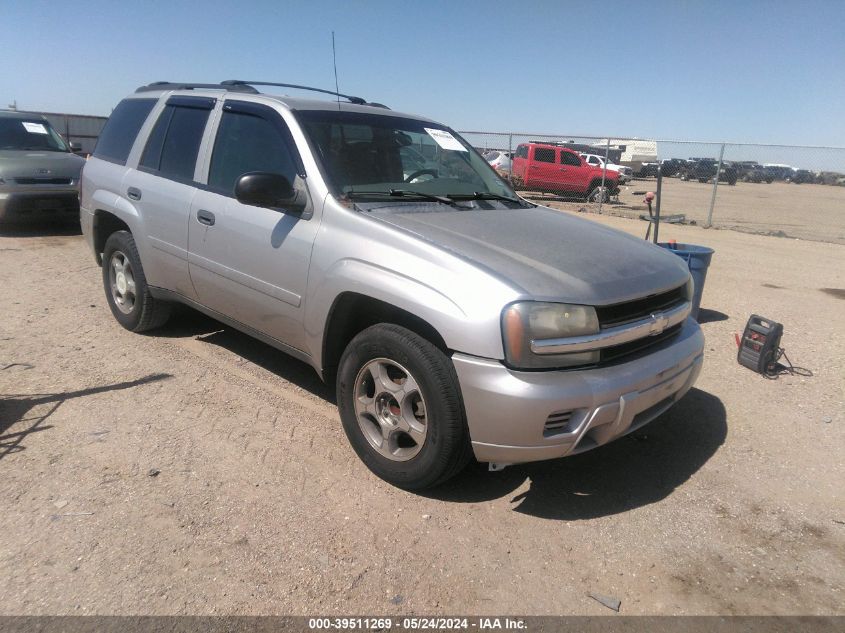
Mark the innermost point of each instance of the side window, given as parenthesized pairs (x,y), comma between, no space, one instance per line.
(568,158)
(175,142)
(544,154)
(522,151)
(249,142)
(118,134)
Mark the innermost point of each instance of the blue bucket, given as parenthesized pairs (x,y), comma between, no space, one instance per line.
(698,260)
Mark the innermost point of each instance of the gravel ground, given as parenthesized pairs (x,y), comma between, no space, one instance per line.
(197,471)
(807,212)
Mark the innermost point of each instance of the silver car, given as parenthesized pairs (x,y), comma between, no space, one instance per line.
(456,319)
(39,175)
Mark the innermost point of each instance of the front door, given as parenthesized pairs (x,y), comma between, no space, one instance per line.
(251,263)
(543,169)
(574,173)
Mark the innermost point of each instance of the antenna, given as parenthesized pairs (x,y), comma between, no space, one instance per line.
(334,61)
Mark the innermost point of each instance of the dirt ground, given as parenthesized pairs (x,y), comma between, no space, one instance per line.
(197,471)
(807,212)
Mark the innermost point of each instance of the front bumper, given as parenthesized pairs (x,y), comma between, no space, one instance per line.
(41,203)
(516,416)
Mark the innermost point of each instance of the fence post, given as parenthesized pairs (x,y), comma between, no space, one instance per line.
(510,161)
(604,173)
(715,186)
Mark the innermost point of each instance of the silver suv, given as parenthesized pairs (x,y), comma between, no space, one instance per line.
(39,175)
(455,318)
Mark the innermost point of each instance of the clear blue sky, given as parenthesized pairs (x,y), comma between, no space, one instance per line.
(771,72)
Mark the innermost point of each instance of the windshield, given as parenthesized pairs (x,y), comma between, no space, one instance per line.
(366,153)
(33,134)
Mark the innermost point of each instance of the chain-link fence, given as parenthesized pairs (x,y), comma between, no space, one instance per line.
(782,190)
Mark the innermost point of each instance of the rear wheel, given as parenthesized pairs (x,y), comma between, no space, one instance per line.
(401,409)
(126,287)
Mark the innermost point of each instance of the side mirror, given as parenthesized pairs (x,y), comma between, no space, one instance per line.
(264,189)
(75,147)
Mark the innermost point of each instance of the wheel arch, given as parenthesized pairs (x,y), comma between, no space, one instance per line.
(353,312)
(105,224)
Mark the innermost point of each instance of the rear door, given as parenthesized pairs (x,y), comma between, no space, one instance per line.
(251,263)
(520,163)
(163,186)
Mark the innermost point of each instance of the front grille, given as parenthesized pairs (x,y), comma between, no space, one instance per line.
(630,311)
(611,354)
(43,181)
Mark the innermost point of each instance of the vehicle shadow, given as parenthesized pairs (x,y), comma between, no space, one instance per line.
(634,471)
(65,227)
(34,409)
(711,316)
(189,323)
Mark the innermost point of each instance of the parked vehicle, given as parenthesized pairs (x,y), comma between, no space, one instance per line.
(671,166)
(39,174)
(750,171)
(455,318)
(802,176)
(625,173)
(648,170)
(779,172)
(555,169)
(500,161)
(704,170)
(668,167)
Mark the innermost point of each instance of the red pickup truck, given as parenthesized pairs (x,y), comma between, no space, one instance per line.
(544,167)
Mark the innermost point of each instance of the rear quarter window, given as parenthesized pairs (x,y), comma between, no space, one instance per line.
(118,135)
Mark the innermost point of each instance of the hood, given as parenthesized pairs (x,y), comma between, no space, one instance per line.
(28,163)
(547,254)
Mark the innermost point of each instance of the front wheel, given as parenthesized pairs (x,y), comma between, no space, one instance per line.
(599,194)
(401,408)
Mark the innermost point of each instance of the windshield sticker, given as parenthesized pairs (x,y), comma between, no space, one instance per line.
(34,128)
(445,140)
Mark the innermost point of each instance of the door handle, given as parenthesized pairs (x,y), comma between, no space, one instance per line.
(205,217)
(134,193)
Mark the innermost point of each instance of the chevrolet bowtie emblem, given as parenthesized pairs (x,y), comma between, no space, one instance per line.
(659,321)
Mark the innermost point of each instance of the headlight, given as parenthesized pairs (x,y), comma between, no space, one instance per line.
(530,321)
(689,289)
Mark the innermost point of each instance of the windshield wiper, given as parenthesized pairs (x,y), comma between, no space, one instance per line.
(403,193)
(485,195)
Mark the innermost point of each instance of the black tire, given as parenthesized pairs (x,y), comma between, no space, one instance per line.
(446,449)
(146,312)
(595,191)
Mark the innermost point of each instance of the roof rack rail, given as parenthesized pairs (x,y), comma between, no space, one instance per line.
(248,87)
(350,98)
(166,85)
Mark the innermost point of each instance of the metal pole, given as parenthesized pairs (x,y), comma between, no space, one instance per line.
(715,186)
(510,161)
(604,172)
(657,202)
